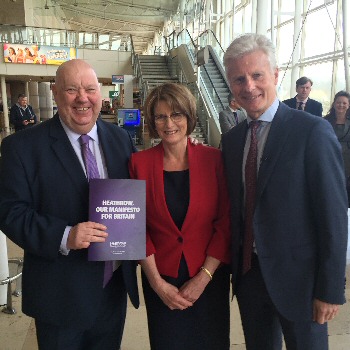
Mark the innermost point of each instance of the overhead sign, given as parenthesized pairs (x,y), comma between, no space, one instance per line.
(113,94)
(117,79)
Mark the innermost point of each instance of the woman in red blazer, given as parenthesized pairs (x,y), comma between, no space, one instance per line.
(185,282)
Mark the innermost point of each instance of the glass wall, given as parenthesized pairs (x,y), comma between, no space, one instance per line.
(305,33)
(57,37)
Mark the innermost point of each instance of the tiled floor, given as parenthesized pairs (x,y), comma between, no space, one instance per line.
(17,332)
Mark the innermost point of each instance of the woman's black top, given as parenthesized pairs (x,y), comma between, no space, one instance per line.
(177,194)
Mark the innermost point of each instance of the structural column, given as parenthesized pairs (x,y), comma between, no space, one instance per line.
(262,16)
(296,45)
(4,104)
(34,98)
(128,91)
(346,43)
(45,101)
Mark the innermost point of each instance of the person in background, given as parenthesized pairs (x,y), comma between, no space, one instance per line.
(289,220)
(22,115)
(302,101)
(44,204)
(231,115)
(185,282)
(339,117)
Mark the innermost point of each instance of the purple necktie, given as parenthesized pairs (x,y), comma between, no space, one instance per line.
(92,173)
(250,194)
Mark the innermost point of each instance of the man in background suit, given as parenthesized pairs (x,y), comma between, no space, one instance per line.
(22,115)
(44,198)
(291,275)
(231,115)
(302,101)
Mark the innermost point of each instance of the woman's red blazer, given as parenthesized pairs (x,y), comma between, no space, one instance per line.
(205,230)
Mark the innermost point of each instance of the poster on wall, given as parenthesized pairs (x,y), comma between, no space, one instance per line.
(37,54)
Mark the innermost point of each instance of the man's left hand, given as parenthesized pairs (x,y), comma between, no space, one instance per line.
(324,312)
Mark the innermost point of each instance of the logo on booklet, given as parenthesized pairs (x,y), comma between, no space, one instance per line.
(117,244)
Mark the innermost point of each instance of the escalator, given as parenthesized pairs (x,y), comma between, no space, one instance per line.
(208,82)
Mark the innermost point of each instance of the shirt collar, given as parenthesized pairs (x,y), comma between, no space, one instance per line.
(301,100)
(73,136)
(24,108)
(269,114)
(232,110)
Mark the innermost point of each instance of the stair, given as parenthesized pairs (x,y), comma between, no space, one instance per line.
(154,70)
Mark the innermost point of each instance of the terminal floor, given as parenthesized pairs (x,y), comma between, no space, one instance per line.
(17,332)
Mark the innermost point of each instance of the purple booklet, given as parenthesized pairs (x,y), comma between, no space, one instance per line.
(120,204)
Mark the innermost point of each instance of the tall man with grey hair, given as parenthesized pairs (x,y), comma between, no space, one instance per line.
(231,115)
(288,209)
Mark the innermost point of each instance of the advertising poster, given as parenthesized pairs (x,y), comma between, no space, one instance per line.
(37,54)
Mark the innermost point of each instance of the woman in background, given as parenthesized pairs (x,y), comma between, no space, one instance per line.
(339,117)
(185,282)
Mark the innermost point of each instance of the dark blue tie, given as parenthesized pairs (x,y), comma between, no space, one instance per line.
(92,173)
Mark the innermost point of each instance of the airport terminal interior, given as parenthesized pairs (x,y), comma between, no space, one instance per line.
(135,45)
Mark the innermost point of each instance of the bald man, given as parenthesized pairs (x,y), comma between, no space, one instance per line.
(44,209)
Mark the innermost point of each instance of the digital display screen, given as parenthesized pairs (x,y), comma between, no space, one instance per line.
(130,116)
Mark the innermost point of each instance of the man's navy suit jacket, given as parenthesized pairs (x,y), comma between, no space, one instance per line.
(300,219)
(43,189)
(312,106)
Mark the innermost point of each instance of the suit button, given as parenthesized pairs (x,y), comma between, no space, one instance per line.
(180,239)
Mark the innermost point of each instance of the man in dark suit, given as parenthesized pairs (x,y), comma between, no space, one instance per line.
(22,115)
(288,209)
(44,209)
(302,101)
(231,115)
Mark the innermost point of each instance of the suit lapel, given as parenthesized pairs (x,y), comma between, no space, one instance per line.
(233,143)
(65,154)
(157,178)
(111,159)
(277,136)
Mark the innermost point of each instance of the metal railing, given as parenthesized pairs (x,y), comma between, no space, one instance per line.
(9,309)
(30,35)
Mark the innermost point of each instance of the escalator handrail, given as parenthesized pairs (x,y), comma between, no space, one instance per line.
(192,41)
(216,39)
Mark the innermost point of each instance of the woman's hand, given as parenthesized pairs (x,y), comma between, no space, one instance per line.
(168,293)
(170,296)
(194,288)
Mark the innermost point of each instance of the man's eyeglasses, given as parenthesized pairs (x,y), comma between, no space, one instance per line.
(175,117)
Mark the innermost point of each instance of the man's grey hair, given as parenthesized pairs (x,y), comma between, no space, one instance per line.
(248,43)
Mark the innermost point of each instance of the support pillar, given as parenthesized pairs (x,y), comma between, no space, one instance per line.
(45,101)
(128,91)
(33,98)
(262,16)
(346,10)
(4,104)
(296,45)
